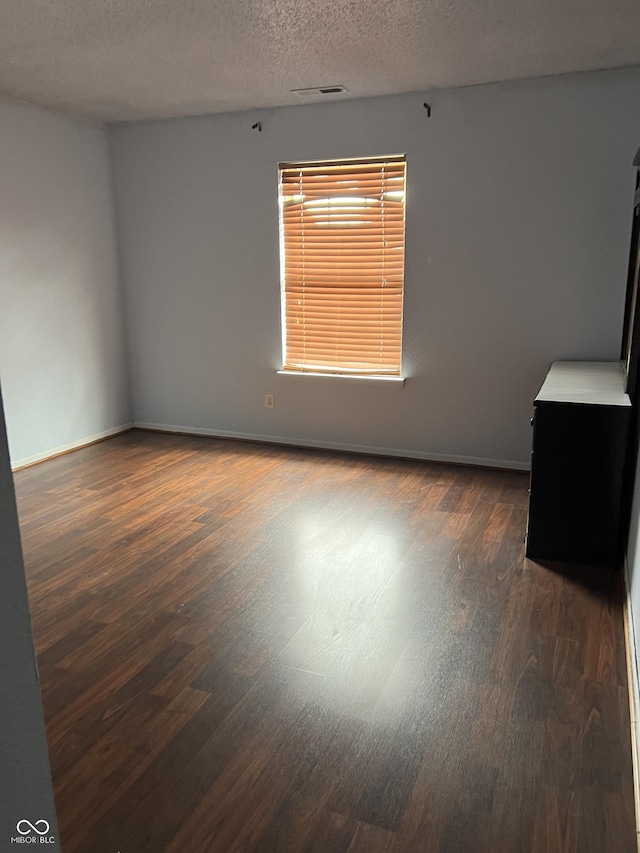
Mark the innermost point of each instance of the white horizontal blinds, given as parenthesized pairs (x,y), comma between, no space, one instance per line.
(343,265)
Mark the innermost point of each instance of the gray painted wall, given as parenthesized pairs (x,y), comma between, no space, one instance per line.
(25,780)
(62,347)
(518,216)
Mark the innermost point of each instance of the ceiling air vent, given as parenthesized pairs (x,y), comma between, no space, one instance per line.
(318,91)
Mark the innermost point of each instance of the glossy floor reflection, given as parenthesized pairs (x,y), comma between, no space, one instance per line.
(247,648)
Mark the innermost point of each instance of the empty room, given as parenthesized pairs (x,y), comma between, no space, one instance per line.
(320,370)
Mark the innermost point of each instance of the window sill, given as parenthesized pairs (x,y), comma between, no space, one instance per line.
(395,380)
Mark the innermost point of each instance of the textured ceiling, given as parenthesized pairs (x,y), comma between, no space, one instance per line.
(132,59)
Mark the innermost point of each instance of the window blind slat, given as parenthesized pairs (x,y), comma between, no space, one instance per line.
(346,234)
(371,171)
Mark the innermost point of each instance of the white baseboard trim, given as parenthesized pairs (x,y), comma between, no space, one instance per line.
(26,461)
(334,445)
(634,691)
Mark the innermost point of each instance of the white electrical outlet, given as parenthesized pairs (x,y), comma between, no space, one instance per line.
(269,401)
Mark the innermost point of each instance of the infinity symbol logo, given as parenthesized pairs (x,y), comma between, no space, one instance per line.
(32,827)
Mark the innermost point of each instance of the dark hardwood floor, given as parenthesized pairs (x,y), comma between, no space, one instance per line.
(246,648)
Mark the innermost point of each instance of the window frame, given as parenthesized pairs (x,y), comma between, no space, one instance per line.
(319,370)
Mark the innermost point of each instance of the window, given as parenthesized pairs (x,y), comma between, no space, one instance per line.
(342,262)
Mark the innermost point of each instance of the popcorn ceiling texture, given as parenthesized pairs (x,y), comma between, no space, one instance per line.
(133,59)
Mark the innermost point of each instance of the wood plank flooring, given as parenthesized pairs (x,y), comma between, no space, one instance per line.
(247,648)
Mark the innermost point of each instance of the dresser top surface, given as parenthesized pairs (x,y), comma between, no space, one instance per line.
(598,383)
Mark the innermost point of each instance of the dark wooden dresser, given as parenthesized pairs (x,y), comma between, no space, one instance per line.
(580,437)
